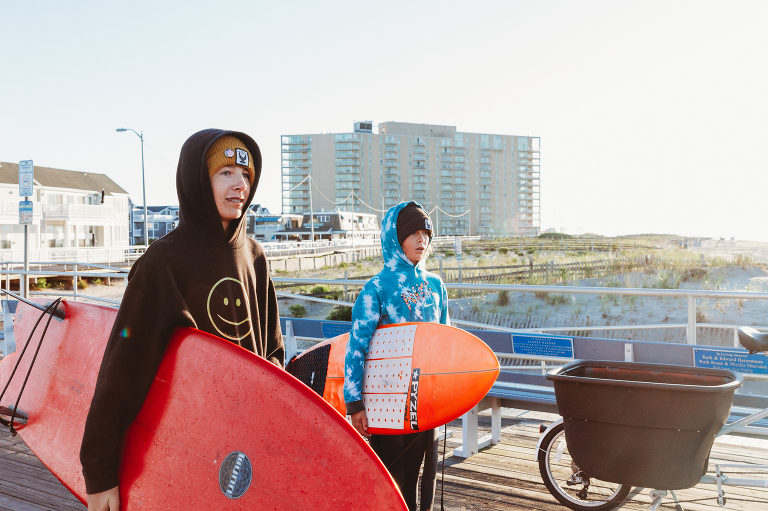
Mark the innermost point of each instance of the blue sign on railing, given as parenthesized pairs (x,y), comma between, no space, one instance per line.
(543,345)
(733,360)
(334,329)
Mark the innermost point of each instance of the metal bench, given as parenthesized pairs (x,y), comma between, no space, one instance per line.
(529,391)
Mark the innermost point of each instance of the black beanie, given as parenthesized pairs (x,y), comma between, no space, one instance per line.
(411,219)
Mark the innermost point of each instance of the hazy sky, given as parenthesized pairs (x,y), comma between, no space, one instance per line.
(652,115)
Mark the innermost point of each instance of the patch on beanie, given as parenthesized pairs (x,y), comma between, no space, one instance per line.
(242,157)
(229,153)
(427,224)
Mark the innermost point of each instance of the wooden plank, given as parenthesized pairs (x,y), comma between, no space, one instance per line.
(25,483)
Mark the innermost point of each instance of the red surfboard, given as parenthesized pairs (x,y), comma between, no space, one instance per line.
(417,375)
(220,428)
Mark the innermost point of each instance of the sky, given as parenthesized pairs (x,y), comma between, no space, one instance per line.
(652,115)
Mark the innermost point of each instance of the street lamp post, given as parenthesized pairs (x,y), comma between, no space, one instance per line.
(143,183)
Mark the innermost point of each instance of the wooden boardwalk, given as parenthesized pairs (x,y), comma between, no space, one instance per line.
(502,477)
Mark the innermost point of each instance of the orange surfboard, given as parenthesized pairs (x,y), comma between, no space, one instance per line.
(417,376)
(221,429)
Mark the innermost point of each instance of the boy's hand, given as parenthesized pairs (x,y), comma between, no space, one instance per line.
(360,423)
(105,501)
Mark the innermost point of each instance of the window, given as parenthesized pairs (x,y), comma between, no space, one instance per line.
(347,161)
(485,159)
(390,155)
(346,137)
(391,148)
(446,142)
(347,154)
(352,145)
(390,140)
(323,218)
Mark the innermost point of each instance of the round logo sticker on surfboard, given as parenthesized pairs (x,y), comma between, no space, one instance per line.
(235,475)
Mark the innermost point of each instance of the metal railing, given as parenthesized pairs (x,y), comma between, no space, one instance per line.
(690,295)
(72,255)
(112,273)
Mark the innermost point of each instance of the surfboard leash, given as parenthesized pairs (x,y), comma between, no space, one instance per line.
(404,450)
(14,411)
(442,474)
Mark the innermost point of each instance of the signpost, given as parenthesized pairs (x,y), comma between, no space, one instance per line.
(26,182)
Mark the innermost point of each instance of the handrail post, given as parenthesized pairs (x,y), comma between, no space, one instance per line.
(74,280)
(291,347)
(691,319)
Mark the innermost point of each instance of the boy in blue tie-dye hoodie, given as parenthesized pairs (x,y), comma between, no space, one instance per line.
(403,292)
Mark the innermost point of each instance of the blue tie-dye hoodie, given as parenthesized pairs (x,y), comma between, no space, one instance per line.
(400,293)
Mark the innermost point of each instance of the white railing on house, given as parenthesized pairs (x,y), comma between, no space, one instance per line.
(11,208)
(64,211)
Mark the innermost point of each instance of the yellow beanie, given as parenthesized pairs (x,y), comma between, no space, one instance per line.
(229,150)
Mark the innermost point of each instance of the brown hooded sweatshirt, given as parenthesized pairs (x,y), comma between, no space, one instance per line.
(192,277)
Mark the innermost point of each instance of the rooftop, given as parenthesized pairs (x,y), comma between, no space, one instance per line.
(59,178)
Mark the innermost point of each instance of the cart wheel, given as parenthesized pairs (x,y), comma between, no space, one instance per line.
(569,485)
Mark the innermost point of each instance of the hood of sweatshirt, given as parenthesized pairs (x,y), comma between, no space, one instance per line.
(392,252)
(197,207)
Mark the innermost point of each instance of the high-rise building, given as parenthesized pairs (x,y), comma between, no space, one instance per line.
(475,183)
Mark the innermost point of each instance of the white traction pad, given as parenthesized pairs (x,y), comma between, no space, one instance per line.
(387,376)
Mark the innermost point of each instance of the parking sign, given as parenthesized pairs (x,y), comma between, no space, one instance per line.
(26,178)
